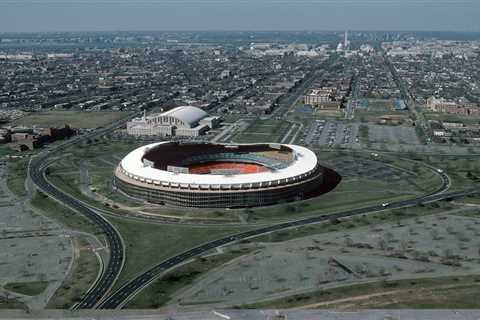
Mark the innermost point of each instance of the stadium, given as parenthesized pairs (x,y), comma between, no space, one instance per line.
(207,175)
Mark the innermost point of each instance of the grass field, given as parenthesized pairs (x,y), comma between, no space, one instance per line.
(27,288)
(11,304)
(147,244)
(263,131)
(86,264)
(17,173)
(63,215)
(160,292)
(475,199)
(382,105)
(354,193)
(463,171)
(378,108)
(101,157)
(78,282)
(5,150)
(435,293)
(348,195)
(76,119)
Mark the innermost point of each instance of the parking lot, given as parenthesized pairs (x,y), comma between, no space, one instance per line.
(355,167)
(339,134)
(331,133)
(393,135)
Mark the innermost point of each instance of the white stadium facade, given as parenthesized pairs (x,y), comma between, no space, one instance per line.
(207,175)
(181,121)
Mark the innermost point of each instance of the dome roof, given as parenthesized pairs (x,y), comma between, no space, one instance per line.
(188,115)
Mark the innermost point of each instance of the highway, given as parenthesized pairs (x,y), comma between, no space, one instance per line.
(114,240)
(97,297)
(36,172)
(127,291)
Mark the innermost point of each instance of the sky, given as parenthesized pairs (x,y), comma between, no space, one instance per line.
(152,15)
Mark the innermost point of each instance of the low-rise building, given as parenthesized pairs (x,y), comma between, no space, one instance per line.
(184,121)
(451,107)
(324,99)
(32,139)
(317,97)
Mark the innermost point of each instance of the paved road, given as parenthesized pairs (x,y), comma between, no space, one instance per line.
(408,98)
(122,295)
(115,264)
(117,253)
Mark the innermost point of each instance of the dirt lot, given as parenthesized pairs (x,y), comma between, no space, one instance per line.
(423,247)
(35,255)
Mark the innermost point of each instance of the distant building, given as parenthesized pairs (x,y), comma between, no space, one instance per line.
(260,108)
(441,133)
(181,121)
(59,55)
(225,74)
(319,96)
(322,99)
(452,107)
(32,139)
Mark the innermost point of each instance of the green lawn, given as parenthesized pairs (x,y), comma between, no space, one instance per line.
(17,173)
(348,194)
(11,304)
(76,119)
(463,171)
(160,291)
(351,192)
(63,215)
(263,131)
(475,199)
(435,293)
(148,244)
(381,105)
(5,150)
(78,282)
(27,288)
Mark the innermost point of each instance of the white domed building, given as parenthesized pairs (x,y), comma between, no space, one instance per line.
(181,121)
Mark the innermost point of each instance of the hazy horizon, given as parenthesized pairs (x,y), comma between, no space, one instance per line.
(239,15)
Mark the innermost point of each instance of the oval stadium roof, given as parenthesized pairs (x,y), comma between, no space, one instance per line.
(305,161)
